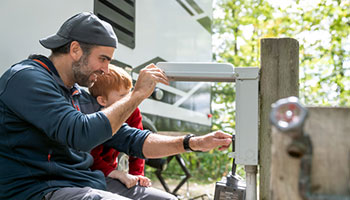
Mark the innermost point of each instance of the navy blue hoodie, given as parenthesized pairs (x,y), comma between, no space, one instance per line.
(44,140)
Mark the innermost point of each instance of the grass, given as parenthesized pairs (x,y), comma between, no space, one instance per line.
(189,190)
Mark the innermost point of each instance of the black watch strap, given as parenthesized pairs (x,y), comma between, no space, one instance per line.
(186,142)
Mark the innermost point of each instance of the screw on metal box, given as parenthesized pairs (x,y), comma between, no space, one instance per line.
(288,115)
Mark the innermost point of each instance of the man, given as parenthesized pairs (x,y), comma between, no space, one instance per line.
(44,138)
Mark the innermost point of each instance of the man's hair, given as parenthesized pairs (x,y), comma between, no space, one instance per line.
(116,79)
(65,48)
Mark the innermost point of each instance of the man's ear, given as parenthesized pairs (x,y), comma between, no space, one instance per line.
(101,100)
(75,51)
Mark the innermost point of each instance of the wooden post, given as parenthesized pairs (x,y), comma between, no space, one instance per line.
(279,78)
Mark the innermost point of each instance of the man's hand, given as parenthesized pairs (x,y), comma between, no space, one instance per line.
(148,78)
(211,141)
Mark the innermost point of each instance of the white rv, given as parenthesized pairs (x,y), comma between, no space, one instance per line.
(148,31)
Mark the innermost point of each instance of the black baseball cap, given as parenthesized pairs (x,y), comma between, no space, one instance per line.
(83,27)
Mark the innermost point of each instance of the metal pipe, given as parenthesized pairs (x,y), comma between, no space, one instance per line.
(251,171)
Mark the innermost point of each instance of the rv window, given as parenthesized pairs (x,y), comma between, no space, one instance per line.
(121,15)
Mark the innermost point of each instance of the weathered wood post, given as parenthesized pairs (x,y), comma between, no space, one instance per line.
(279,78)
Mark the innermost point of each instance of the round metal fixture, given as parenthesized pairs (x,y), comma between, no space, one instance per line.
(288,114)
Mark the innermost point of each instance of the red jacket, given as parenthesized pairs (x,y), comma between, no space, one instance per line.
(105,159)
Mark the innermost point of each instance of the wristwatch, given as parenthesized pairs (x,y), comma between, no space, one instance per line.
(186,142)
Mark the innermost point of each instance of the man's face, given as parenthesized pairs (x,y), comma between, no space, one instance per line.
(86,69)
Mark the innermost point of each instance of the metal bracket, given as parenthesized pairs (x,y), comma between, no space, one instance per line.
(247,91)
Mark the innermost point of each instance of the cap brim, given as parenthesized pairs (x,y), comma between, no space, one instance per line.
(53,41)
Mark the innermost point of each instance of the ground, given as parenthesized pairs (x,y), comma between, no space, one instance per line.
(190,190)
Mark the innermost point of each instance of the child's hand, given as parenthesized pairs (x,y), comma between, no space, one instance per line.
(144,181)
(127,179)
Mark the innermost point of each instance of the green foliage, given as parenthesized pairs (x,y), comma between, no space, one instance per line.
(322,28)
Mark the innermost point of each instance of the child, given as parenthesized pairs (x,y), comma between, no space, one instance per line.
(108,89)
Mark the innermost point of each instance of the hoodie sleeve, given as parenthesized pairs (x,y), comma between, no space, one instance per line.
(128,140)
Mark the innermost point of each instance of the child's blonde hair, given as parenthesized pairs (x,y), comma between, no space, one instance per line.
(116,79)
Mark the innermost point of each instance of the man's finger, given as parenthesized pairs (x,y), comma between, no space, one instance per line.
(157,75)
(223,147)
(150,66)
(223,142)
(155,69)
(220,134)
(160,79)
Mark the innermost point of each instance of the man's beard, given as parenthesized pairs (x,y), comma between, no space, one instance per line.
(81,71)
